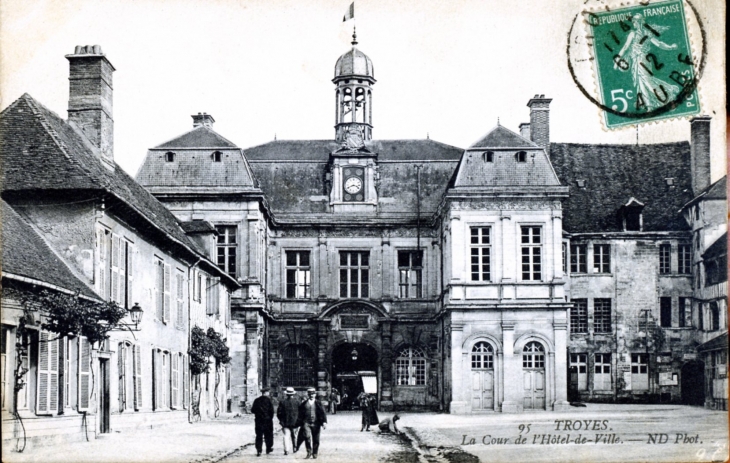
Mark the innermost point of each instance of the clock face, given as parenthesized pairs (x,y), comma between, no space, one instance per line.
(353,185)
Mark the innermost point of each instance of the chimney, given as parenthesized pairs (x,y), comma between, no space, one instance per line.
(202,119)
(525,130)
(700,153)
(90,98)
(540,120)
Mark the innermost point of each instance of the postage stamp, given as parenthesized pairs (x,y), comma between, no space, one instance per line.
(643,63)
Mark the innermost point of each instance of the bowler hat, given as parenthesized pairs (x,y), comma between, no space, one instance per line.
(290,391)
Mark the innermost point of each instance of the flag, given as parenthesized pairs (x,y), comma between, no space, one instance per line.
(350,14)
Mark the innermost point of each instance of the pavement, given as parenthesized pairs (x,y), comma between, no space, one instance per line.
(596,432)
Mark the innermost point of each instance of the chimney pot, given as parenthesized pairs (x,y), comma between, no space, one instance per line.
(202,119)
(700,153)
(540,120)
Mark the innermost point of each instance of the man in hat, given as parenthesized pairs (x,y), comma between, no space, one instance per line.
(288,415)
(263,411)
(312,418)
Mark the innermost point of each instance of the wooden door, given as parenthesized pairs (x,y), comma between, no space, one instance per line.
(533,382)
(482,390)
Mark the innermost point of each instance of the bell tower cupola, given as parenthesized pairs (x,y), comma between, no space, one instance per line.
(354,78)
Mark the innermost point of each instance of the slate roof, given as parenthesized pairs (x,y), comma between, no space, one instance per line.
(199,137)
(717,190)
(502,137)
(718,342)
(196,168)
(718,248)
(615,173)
(292,174)
(198,226)
(26,254)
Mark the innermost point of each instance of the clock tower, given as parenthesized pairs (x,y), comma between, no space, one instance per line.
(353,165)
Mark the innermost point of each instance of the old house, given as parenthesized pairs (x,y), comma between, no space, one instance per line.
(123,246)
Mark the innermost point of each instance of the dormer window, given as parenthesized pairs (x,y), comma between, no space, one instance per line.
(169,156)
(489,156)
(217,155)
(521,156)
(631,215)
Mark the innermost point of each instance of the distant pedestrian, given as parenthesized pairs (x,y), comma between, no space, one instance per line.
(388,425)
(288,415)
(263,411)
(334,401)
(312,418)
(369,415)
(372,413)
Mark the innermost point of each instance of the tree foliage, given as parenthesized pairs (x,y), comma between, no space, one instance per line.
(203,346)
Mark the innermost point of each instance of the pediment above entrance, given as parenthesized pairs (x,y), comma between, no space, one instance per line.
(354,315)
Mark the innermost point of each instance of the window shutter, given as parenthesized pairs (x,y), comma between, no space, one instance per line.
(180,322)
(44,389)
(167,291)
(121,355)
(130,273)
(216,295)
(102,271)
(175,379)
(159,282)
(137,364)
(115,268)
(186,380)
(157,378)
(84,374)
(209,310)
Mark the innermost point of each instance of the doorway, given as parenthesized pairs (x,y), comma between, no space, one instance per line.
(104,402)
(693,383)
(533,375)
(482,376)
(354,365)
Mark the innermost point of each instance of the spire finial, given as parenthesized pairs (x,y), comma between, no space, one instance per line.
(354,36)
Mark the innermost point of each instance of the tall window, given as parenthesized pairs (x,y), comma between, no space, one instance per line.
(602,315)
(665,311)
(163,288)
(227,248)
(639,372)
(714,316)
(579,316)
(298,366)
(682,315)
(480,254)
(354,274)
(578,258)
(179,299)
(533,355)
(579,365)
(684,261)
(482,356)
(4,366)
(602,258)
(531,254)
(212,288)
(114,277)
(602,372)
(410,270)
(410,367)
(298,275)
(565,258)
(665,259)
(126,376)
(161,379)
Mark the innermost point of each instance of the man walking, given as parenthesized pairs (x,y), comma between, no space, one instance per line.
(263,411)
(288,415)
(313,419)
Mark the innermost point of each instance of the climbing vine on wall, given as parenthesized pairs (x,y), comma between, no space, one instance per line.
(203,346)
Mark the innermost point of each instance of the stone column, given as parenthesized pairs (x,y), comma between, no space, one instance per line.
(386,367)
(561,359)
(458,405)
(322,361)
(513,400)
(323,264)
(251,367)
(387,262)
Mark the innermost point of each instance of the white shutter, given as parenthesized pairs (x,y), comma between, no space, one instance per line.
(116,241)
(159,282)
(130,273)
(185,380)
(157,378)
(179,319)
(137,364)
(166,288)
(103,268)
(84,370)
(121,357)
(122,273)
(43,399)
(174,380)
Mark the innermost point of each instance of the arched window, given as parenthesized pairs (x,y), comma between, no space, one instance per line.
(533,355)
(169,156)
(410,367)
(298,366)
(217,155)
(482,356)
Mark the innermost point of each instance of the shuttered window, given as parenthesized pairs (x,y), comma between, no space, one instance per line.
(102,247)
(163,289)
(161,379)
(179,299)
(185,380)
(47,399)
(130,273)
(137,366)
(3,366)
(211,291)
(175,381)
(84,374)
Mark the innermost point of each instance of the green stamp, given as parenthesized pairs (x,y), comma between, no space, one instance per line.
(644,64)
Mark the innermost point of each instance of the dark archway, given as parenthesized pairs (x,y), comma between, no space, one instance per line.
(693,383)
(350,362)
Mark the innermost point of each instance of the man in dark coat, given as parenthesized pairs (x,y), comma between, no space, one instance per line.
(263,411)
(312,418)
(288,415)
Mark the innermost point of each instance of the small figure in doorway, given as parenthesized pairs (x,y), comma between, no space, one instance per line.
(334,401)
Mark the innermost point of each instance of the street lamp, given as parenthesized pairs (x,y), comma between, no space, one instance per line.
(135,313)
(354,354)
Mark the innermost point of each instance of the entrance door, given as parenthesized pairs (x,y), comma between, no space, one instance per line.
(693,383)
(104,403)
(533,375)
(482,376)
(350,363)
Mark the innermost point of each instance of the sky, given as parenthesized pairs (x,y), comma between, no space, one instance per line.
(263,68)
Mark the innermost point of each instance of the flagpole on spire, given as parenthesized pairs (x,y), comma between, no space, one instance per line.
(350,14)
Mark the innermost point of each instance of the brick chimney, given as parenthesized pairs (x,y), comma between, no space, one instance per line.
(202,119)
(525,130)
(540,120)
(90,98)
(700,153)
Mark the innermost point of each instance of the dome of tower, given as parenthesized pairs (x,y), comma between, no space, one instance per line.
(354,63)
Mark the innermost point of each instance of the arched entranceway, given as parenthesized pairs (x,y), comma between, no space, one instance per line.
(353,366)
(693,383)
(533,375)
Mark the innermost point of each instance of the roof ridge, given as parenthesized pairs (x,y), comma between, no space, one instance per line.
(194,129)
(529,143)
